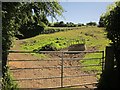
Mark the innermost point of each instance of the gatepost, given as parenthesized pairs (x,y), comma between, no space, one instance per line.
(109,58)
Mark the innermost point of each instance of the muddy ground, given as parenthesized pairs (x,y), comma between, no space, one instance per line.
(53,60)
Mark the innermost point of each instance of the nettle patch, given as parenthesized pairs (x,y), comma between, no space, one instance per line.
(53,45)
(48,47)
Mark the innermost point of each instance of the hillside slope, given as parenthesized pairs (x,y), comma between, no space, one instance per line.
(94,39)
(91,36)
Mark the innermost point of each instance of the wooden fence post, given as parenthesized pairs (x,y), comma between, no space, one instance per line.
(109,58)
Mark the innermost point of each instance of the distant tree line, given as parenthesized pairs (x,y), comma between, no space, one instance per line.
(71,24)
(26,29)
(62,24)
(91,24)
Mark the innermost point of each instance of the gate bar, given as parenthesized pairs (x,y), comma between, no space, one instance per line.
(59,58)
(62,67)
(55,67)
(53,77)
(65,52)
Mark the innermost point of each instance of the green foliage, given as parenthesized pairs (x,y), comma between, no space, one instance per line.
(51,30)
(9,26)
(48,47)
(7,82)
(62,24)
(26,30)
(111,21)
(15,14)
(64,39)
(59,24)
(70,24)
(101,22)
(91,24)
(112,24)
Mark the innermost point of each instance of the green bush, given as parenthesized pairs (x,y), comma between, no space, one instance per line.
(7,82)
(30,30)
(48,47)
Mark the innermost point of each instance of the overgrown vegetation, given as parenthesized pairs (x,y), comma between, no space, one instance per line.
(7,81)
(87,35)
(16,14)
(26,30)
(112,24)
(111,21)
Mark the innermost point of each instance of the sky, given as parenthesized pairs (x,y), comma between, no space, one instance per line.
(82,12)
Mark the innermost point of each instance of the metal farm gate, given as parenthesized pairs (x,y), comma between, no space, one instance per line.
(55,69)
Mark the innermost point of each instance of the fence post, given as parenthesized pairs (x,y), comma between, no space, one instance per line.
(109,58)
(62,67)
(103,66)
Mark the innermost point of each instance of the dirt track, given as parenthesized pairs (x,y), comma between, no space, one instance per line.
(46,72)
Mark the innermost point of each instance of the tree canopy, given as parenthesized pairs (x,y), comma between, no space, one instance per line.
(91,24)
(111,22)
(15,14)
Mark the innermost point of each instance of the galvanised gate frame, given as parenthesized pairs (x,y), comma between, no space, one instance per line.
(62,66)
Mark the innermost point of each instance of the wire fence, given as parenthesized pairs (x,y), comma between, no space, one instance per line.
(60,69)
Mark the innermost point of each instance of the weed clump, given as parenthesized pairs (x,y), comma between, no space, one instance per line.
(48,47)
(7,81)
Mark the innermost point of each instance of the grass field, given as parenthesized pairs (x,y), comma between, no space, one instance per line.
(91,36)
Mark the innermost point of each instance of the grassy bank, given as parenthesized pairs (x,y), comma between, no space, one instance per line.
(91,36)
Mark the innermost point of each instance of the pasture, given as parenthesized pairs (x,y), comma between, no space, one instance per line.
(93,37)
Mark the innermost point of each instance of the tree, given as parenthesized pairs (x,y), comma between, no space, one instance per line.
(101,22)
(91,24)
(15,14)
(59,24)
(111,21)
(56,24)
(26,30)
(70,24)
(112,24)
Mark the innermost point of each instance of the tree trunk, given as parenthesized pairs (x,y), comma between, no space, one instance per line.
(4,62)
(117,56)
